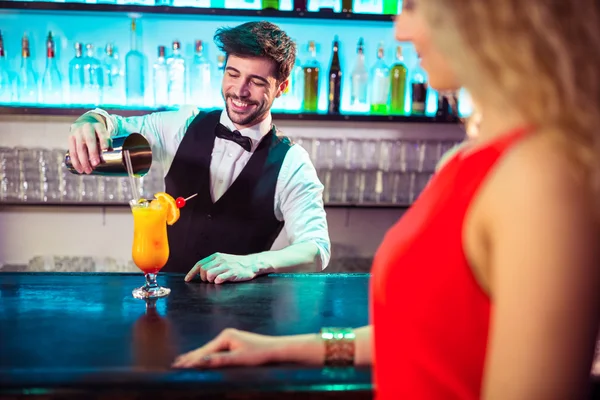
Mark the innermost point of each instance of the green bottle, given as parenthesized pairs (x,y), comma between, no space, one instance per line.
(390,7)
(311,80)
(272,4)
(398,77)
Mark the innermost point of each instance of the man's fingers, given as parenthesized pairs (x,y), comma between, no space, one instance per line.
(197,268)
(73,154)
(209,266)
(83,156)
(103,136)
(224,277)
(91,141)
(212,273)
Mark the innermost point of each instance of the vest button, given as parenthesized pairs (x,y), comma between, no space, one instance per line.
(208,216)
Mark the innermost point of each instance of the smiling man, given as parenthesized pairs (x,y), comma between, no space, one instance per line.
(250,179)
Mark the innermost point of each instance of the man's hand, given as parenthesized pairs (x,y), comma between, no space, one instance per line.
(219,268)
(87,134)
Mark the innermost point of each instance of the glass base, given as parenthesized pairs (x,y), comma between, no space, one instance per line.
(150,290)
(143,293)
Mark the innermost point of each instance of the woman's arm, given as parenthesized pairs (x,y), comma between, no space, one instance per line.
(232,347)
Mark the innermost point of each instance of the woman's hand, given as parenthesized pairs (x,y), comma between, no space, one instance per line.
(233,347)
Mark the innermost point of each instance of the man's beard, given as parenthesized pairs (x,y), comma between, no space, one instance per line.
(259,110)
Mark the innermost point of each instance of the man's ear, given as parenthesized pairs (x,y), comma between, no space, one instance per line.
(282,87)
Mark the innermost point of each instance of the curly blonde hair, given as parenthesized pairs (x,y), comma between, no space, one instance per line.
(540,57)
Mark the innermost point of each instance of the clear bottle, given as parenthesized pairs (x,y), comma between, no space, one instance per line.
(52,88)
(176,67)
(419,88)
(297,89)
(114,89)
(135,81)
(218,82)
(311,80)
(6,85)
(380,89)
(292,96)
(200,75)
(76,75)
(93,77)
(398,84)
(359,83)
(28,85)
(161,79)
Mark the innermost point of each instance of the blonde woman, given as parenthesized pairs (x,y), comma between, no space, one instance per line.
(507,306)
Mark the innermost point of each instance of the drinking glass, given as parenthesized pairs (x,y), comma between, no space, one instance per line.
(150,250)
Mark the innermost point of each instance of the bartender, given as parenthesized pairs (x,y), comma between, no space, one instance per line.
(250,180)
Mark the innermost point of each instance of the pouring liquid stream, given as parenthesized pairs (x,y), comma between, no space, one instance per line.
(132,181)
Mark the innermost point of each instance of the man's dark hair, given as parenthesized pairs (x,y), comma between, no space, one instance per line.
(259,39)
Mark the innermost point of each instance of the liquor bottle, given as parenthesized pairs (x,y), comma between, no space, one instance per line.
(135,89)
(93,77)
(311,80)
(52,90)
(299,5)
(295,89)
(419,89)
(161,79)
(335,80)
(176,68)
(359,83)
(114,89)
(390,7)
(270,4)
(218,81)
(398,77)
(6,86)
(346,6)
(76,76)
(28,88)
(380,89)
(447,106)
(200,90)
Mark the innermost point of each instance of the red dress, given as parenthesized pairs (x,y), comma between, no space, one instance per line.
(430,317)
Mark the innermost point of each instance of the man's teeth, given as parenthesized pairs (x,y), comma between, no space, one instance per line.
(239,103)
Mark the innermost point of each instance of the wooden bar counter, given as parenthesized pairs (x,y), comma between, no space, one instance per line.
(80,335)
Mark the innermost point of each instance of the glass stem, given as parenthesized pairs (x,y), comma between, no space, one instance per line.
(151,284)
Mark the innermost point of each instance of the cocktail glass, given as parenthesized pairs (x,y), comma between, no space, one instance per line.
(150,250)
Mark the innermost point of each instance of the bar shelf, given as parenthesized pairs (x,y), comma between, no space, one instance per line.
(281,116)
(171,10)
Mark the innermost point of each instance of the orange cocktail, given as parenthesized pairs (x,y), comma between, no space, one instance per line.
(150,249)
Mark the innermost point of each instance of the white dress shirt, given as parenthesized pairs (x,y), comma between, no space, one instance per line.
(298,191)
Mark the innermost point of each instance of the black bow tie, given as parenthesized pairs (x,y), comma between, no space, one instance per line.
(224,133)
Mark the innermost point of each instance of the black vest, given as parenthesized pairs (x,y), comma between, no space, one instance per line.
(242,221)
